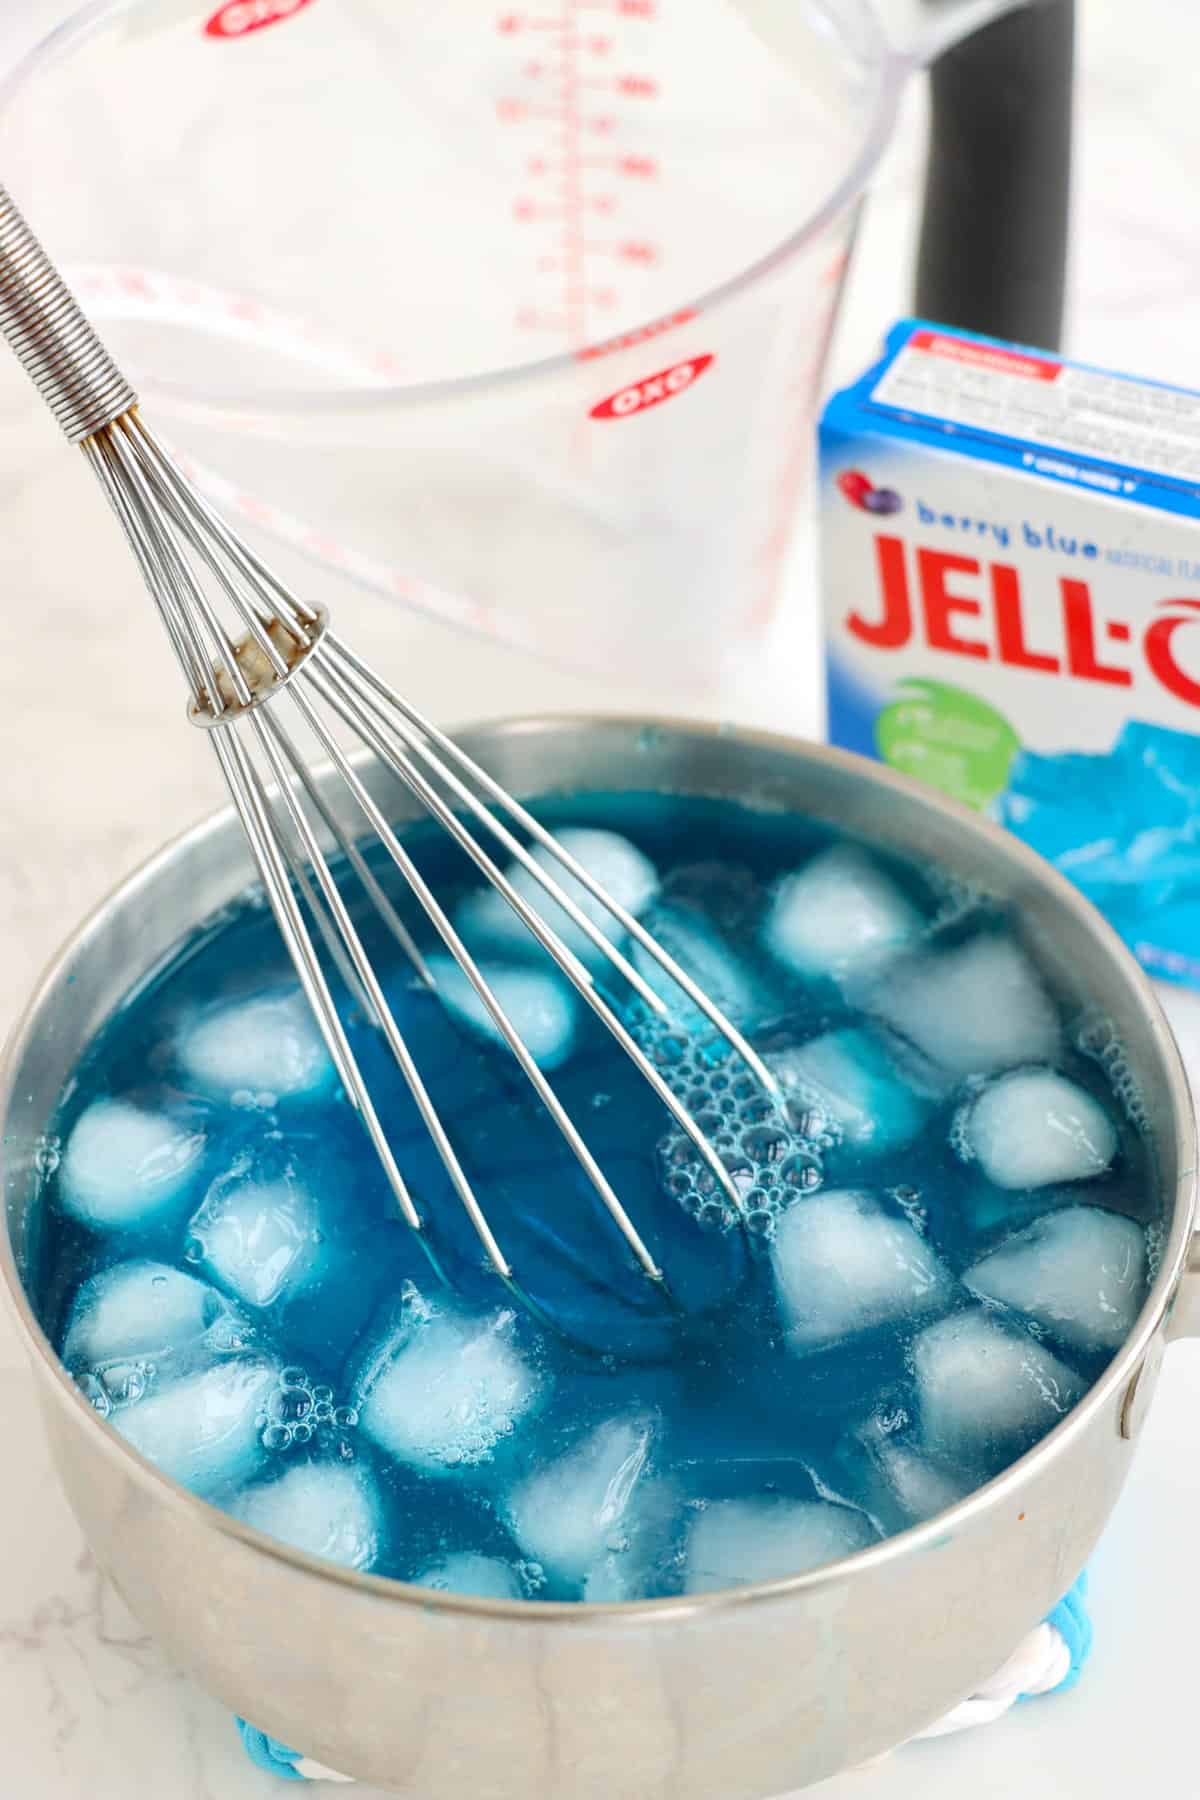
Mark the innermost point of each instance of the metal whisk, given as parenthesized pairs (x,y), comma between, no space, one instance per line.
(249,649)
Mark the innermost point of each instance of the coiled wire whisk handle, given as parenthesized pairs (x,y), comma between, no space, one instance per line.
(57,347)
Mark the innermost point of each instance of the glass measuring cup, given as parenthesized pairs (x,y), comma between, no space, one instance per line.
(514,312)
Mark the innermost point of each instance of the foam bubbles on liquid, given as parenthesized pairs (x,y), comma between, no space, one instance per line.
(769,1158)
(1097,1037)
(298,1412)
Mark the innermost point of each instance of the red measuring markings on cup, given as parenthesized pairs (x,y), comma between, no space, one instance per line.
(579,80)
(639,335)
(237,18)
(653,389)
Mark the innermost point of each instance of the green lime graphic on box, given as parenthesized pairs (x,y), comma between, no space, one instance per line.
(949,738)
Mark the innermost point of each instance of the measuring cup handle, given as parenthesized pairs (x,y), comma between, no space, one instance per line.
(993,245)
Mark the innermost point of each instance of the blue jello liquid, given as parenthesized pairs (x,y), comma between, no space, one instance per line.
(223,1266)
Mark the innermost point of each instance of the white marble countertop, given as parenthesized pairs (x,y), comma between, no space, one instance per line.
(89,1709)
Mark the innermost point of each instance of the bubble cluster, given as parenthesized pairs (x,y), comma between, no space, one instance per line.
(959,1134)
(120,1383)
(1156,1243)
(1097,1038)
(481,1424)
(298,1410)
(771,1157)
(532,1576)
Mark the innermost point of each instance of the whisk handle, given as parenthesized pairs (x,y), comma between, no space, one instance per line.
(58,349)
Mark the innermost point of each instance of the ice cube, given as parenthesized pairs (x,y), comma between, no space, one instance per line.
(1080,1273)
(268,1045)
(204,1431)
(124,1169)
(985,1393)
(567,1516)
(842,1264)
(734,1542)
(639,1556)
(444,1389)
(332,1510)
(972,1010)
(702,953)
(258,1240)
(130,1321)
(620,868)
(904,1484)
(839,915)
(540,1005)
(847,1080)
(920,1489)
(464,1573)
(1033,1127)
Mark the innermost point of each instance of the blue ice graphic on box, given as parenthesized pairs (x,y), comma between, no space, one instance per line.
(1124,826)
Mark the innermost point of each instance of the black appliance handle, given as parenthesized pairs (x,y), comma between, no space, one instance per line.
(993,244)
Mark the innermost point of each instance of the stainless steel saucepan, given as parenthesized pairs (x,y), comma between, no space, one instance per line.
(738,1695)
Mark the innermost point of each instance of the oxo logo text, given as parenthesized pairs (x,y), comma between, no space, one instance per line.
(237,18)
(653,390)
(963,607)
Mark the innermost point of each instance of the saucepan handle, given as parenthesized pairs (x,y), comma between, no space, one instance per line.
(993,245)
(993,248)
(1185,1313)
